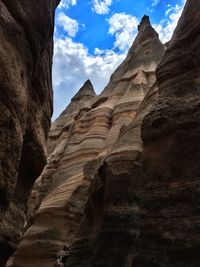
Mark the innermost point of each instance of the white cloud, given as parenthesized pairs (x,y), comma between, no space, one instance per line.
(73,65)
(67,3)
(124,28)
(167,26)
(101,6)
(155,2)
(70,25)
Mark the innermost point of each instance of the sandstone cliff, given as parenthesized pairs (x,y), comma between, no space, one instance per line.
(80,140)
(26,31)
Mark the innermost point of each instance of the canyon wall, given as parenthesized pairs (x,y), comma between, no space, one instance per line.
(80,140)
(26,50)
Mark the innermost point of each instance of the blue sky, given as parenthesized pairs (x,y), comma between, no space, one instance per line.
(92,38)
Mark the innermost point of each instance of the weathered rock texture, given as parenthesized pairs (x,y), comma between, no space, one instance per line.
(132,155)
(26,31)
(80,140)
(143,207)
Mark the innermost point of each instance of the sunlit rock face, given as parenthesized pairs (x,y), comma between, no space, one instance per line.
(80,141)
(26,51)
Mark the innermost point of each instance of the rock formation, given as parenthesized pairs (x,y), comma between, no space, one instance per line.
(143,207)
(26,31)
(79,141)
(121,186)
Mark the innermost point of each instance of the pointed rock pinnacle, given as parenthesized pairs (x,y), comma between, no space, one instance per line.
(86,90)
(144,22)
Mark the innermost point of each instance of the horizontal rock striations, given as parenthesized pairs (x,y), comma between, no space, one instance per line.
(80,141)
(25,105)
(143,205)
(110,225)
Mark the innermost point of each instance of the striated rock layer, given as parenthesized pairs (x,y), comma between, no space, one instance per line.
(26,31)
(171,154)
(143,206)
(80,140)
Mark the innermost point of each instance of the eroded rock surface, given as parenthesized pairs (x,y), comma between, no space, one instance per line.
(171,154)
(143,207)
(80,141)
(131,155)
(26,49)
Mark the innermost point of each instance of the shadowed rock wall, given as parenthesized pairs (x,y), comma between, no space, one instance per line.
(171,154)
(26,49)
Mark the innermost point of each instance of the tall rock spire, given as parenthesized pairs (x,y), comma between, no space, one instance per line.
(87,90)
(144,22)
(146,47)
(80,101)
(144,54)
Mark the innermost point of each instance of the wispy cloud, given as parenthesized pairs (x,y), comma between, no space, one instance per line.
(67,3)
(155,2)
(167,26)
(124,27)
(101,6)
(70,25)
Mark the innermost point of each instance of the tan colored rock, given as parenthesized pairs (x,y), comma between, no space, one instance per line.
(80,139)
(25,105)
(143,207)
